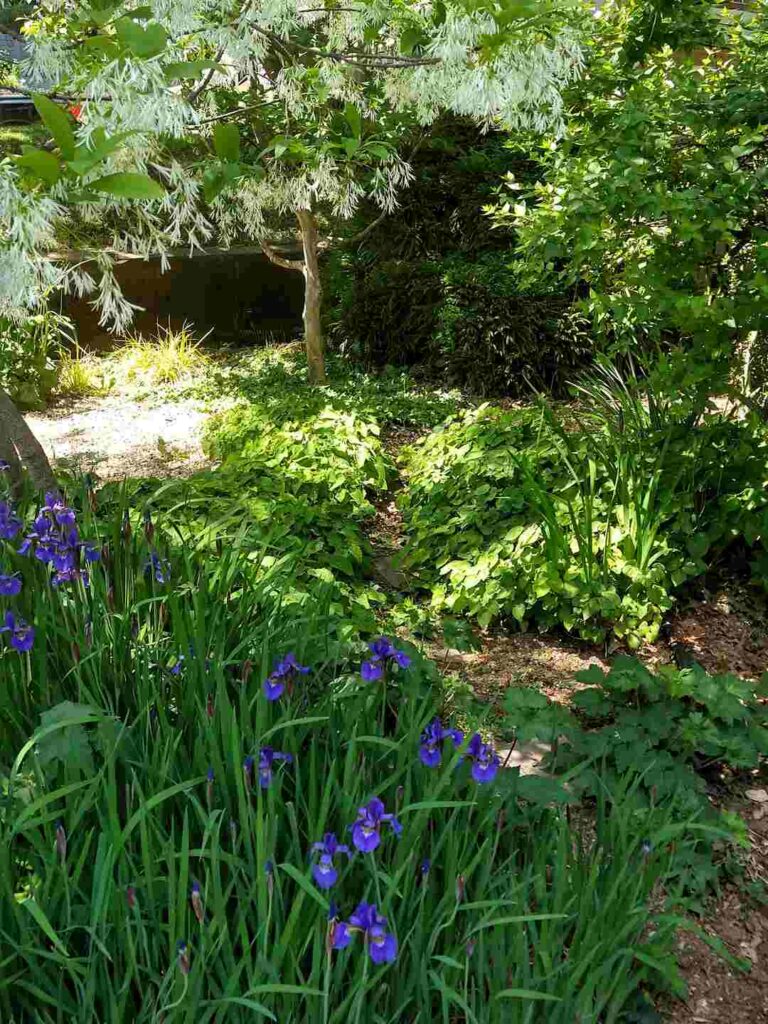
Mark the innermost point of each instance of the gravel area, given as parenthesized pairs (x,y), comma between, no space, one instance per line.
(115,437)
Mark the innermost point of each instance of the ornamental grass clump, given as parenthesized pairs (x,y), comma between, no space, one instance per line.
(160,831)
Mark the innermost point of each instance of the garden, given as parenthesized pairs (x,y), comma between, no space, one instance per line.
(408,663)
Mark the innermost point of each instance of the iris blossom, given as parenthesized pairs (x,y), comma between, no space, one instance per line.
(324,872)
(284,673)
(430,750)
(383,654)
(381,944)
(485,761)
(22,635)
(366,831)
(267,758)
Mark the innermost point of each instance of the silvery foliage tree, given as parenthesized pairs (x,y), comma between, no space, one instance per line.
(191,122)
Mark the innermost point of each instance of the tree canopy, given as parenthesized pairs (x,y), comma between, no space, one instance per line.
(193,122)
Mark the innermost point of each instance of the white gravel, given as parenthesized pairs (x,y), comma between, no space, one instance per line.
(116,437)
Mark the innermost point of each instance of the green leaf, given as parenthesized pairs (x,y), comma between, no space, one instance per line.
(87,158)
(129,185)
(410,39)
(142,42)
(379,149)
(303,882)
(42,164)
(593,674)
(226,142)
(526,993)
(353,119)
(101,13)
(541,790)
(65,742)
(190,69)
(38,914)
(58,123)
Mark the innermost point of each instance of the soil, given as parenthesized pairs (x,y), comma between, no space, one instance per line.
(718,992)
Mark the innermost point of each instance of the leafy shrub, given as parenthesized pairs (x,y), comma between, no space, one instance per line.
(27,352)
(588,519)
(152,873)
(434,284)
(466,323)
(670,728)
(78,377)
(275,380)
(650,204)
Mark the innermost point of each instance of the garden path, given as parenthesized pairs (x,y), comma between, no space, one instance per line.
(116,436)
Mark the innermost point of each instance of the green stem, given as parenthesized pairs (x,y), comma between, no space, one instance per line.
(361,993)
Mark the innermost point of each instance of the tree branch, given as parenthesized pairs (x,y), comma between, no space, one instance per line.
(237,112)
(357,57)
(279,260)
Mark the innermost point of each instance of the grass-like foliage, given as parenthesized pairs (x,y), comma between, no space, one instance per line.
(170,756)
(587,517)
(79,376)
(168,358)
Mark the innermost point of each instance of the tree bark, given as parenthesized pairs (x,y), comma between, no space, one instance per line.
(20,449)
(313,293)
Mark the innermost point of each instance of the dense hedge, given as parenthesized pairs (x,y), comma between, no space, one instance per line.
(458,319)
(434,284)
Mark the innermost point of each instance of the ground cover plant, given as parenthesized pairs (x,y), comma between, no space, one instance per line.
(296,476)
(588,517)
(681,730)
(181,777)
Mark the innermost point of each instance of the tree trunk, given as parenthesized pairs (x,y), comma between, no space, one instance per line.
(313,292)
(20,449)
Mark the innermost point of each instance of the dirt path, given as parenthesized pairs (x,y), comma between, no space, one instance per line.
(116,436)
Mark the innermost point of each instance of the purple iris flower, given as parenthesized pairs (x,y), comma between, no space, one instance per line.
(10,524)
(158,567)
(4,466)
(55,507)
(10,585)
(55,541)
(341,936)
(382,945)
(284,673)
(370,671)
(383,653)
(366,831)
(324,873)
(485,761)
(430,751)
(22,635)
(267,758)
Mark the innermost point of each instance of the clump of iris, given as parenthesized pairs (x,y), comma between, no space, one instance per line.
(55,541)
